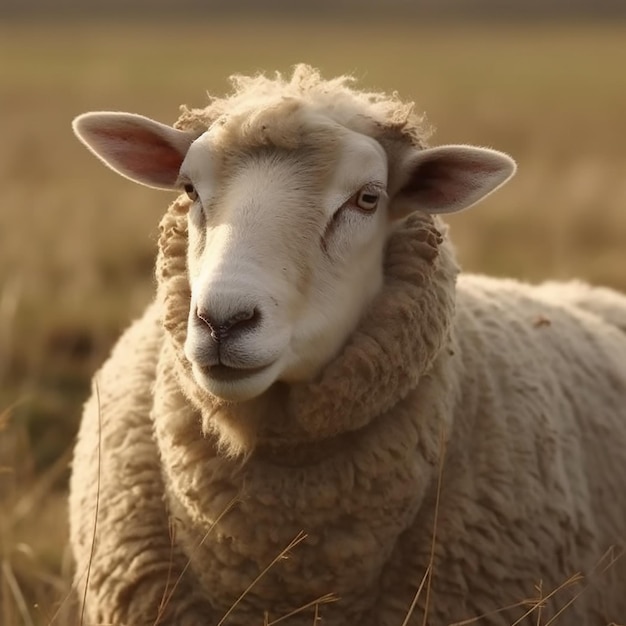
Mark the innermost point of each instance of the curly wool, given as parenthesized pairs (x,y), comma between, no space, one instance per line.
(389,398)
(393,459)
(261,110)
(309,427)
(525,474)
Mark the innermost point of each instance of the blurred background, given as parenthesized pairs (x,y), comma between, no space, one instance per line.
(544,80)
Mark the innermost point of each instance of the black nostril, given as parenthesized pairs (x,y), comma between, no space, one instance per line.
(246,319)
(205,317)
(242,317)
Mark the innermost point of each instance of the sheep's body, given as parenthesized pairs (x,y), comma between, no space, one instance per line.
(202,466)
(530,393)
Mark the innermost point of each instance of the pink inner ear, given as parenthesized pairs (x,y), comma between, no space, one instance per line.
(141,154)
(447,180)
(444,180)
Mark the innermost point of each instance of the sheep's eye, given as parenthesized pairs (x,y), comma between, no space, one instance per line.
(190,190)
(367,199)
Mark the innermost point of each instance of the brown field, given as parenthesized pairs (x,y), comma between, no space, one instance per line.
(77,242)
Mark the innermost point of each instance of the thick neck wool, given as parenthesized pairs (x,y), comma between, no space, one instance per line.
(395,344)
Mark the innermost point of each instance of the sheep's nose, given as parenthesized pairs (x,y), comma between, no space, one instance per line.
(221,327)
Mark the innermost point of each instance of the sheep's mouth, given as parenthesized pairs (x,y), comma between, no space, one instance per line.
(224,373)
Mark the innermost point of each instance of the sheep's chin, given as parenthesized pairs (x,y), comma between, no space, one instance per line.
(241,387)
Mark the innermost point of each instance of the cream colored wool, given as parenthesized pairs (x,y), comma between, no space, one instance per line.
(524,388)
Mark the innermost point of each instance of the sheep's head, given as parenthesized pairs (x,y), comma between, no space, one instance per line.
(293,190)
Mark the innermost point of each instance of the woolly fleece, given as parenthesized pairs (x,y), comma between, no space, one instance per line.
(522,388)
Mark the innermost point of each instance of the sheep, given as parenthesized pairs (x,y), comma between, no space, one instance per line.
(314,362)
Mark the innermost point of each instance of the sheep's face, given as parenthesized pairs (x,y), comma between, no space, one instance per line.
(285,253)
(286,238)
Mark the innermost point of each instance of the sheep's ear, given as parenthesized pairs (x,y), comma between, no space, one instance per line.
(448,179)
(134,146)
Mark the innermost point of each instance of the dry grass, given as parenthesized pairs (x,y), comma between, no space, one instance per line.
(77,243)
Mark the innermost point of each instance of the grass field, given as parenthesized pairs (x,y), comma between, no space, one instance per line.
(77,242)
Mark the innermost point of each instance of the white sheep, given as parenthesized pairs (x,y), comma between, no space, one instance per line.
(312,363)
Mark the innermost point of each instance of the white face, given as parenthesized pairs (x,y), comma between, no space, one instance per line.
(286,248)
(280,269)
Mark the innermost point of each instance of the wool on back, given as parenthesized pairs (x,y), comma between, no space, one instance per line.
(522,393)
